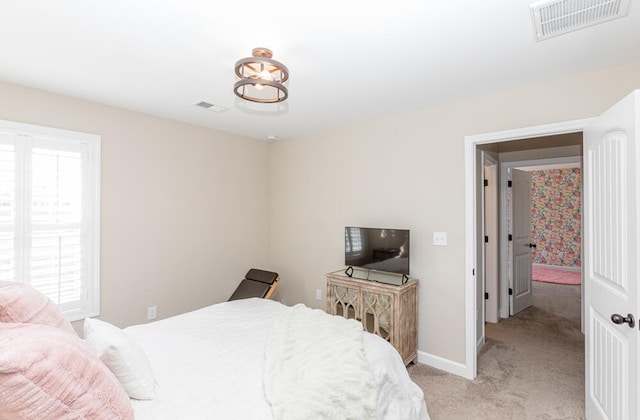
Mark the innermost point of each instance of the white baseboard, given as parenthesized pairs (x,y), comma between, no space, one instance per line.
(442,364)
(558,267)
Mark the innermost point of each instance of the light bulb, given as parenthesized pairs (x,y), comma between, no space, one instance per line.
(265,75)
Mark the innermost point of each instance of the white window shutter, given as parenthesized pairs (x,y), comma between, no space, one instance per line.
(56,265)
(49,214)
(7,208)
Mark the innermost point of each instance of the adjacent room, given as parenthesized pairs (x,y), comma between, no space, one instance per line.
(190,192)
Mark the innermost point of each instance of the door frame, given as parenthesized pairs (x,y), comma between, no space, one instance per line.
(471,228)
(487,220)
(505,167)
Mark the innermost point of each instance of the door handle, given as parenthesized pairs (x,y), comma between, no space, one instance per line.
(532,245)
(619,319)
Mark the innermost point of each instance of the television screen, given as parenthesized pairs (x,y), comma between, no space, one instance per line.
(377,249)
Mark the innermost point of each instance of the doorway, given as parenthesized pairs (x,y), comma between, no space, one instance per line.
(553,197)
(500,293)
(541,321)
(610,252)
(515,143)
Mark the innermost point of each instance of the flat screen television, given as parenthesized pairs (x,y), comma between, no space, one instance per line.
(377,249)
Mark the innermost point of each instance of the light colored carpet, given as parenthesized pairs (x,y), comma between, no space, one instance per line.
(532,366)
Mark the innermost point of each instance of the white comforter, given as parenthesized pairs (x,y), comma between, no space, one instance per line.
(210,364)
(316,368)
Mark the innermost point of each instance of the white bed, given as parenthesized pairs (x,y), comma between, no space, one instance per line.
(211,364)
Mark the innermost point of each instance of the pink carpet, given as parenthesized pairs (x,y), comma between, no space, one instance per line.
(557,276)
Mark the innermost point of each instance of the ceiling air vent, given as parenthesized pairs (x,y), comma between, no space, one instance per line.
(557,17)
(212,107)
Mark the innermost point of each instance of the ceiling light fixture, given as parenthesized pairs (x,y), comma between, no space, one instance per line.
(261,79)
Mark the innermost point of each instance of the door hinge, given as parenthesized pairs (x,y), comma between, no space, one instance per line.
(510,292)
(509,183)
(486,182)
(473,272)
(486,239)
(510,237)
(486,295)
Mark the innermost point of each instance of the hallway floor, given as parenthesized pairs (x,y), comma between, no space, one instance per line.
(531,367)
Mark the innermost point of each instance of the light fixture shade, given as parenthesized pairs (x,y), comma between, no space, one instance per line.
(261,79)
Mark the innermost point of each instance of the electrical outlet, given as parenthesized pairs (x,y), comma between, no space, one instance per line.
(152,312)
(318,294)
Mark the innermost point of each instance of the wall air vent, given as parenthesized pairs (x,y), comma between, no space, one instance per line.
(556,17)
(212,107)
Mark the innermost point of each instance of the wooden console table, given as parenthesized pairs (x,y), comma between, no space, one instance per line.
(385,309)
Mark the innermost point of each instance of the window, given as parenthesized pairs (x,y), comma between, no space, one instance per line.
(353,241)
(49,214)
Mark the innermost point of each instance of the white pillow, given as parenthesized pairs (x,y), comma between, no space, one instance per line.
(122,356)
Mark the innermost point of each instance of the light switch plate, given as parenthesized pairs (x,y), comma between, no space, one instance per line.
(440,238)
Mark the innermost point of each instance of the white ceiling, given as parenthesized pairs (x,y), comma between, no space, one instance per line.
(349,60)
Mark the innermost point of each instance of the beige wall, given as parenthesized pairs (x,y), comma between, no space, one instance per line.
(180,213)
(407,171)
(180,224)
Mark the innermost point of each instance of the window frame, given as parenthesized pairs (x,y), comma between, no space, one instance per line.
(91,218)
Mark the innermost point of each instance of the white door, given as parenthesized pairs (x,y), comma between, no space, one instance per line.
(480,256)
(521,296)
(611,255)
(491,247)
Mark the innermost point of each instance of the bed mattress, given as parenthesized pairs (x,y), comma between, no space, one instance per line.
(210,363)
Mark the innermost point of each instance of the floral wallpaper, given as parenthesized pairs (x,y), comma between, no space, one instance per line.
(556,200)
